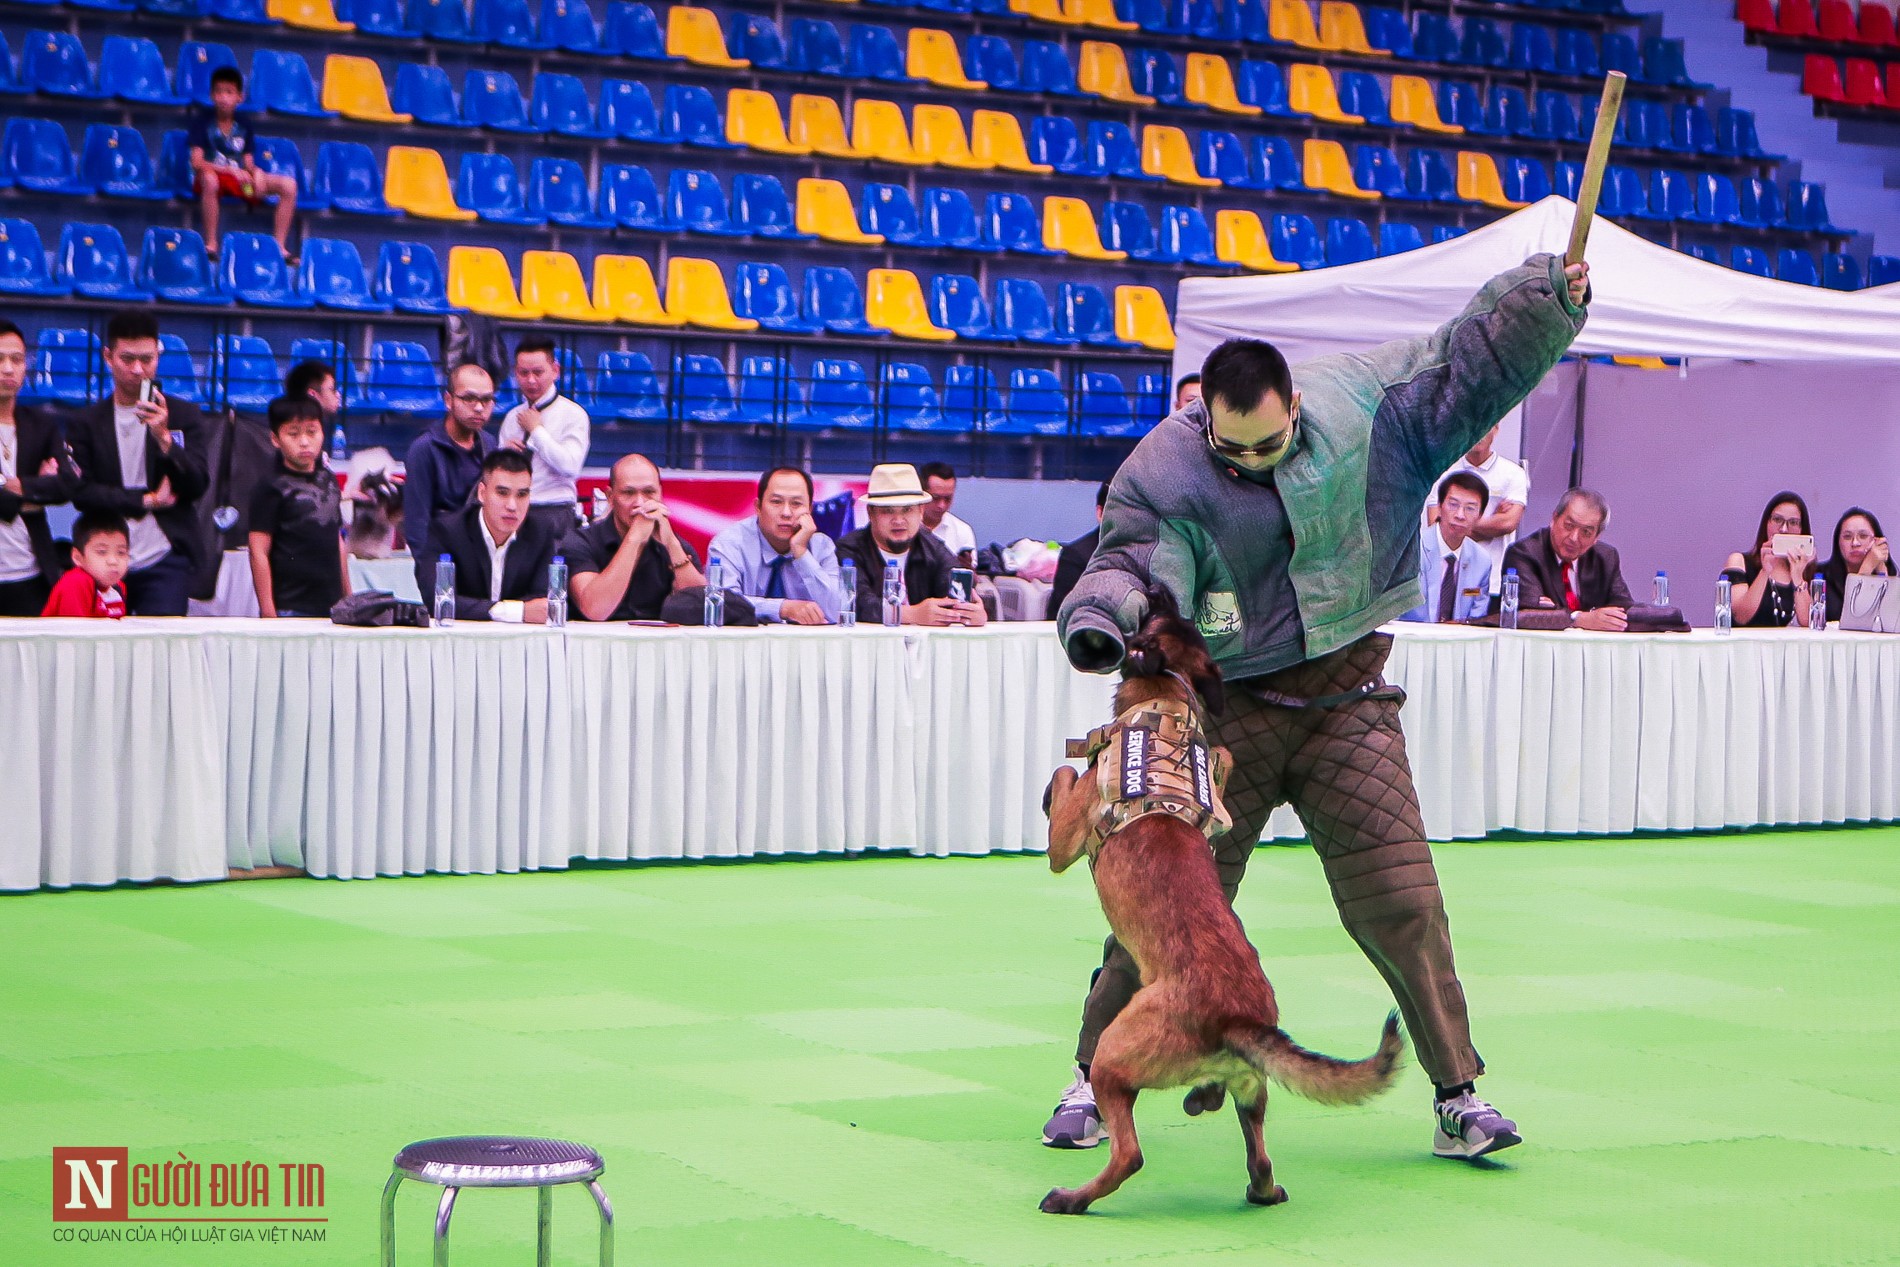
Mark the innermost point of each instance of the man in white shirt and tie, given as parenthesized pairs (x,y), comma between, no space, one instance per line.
(778,558)
(552,429)
(1454,572)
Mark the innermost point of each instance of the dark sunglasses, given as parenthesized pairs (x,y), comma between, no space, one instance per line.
(1242,452)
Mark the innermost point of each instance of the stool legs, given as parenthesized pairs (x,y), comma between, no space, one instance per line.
(443,1213)
(544,1229)
(389,1218)
(606,1223)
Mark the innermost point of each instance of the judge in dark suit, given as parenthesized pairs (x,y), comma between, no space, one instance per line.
(501,555)
(1075,556)
(148,462)
(1567,578)
(35,472)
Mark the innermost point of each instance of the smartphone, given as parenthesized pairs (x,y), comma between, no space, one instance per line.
(148,389)
(1786,543)
(962,584)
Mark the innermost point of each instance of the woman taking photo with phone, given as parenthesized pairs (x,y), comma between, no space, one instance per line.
(1771,580)
(1860,548)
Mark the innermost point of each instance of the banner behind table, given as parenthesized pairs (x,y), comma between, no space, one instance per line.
(702,503)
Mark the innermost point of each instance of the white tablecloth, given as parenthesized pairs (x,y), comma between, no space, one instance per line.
(237,594)
(152,748)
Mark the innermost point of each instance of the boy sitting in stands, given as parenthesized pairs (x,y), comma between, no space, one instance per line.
(223,161)
(102,554)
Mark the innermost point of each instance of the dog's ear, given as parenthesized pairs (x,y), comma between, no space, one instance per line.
(1213,690)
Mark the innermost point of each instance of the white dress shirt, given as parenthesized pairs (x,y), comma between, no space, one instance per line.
(1507,482)
(1473,577)
(148,541)
(956,534)
(508,612)
(17,562)
(558,447)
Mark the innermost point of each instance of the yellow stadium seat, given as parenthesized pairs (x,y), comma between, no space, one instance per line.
(416,181)
(1309,90)
(1478,180)
(1642,362)
(1043,11)
(824,208)
(878,130)
(1096,13)
(1327,167)
(997,138)
(1165,152)
(894,301)
(1210,81)
(1068,224)
(1343,29)
(479,281)
(696,292)
(938,137)
(1104,72)
(818,125)
(624,290)
(1240,238)
(551,281)
(694,34)
(753,120)
(1141,316)
(353,87)
(1291,22)
(1414,103)
(933,57)
(309,15)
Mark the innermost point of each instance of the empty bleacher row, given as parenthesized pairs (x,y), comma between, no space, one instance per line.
(1836,25)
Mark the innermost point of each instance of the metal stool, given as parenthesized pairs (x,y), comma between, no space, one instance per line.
(496,1161)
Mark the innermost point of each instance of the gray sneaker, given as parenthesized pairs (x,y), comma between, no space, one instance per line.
(1076,1123)
(1469,1128)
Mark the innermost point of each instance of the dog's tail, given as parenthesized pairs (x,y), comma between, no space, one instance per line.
(1317,1077)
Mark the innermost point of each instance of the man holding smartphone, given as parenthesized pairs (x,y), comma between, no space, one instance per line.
(895,537)
(143,457)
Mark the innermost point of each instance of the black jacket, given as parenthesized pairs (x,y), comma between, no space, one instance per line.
(927,570)
(93,438)
(1541,575)
(1070,564)
(458,534)
(39,438)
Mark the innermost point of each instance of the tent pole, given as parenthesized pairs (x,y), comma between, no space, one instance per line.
(1576,430)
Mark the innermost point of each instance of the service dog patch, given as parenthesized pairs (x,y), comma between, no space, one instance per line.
(1203,774)
(1137,749)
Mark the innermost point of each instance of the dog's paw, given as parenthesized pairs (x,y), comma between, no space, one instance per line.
(1205,1099)
(1274,1197)
(1064,1201)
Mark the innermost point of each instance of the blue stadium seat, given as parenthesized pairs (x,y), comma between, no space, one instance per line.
(34,154)
(1533,48)
(1577,54)
(1671,196)
(840,395)
(626,387)
(1112,148)
(1278,162)
(889,210)
(55,62)
(627,112)
(908,398)
(24,267)
(349,179)
(1360,94)
(1154,73)
(242,373)
(1185,236)
(816,48)
(401,379)
(489,185)
(509,23)
(689,113)
(1046,69)
(1446,232)
(1620,52)
(633,30)
(1840,272)
(444,21)
(1554,117)
(1433,37)
(1152,399)
(426,93)
(492,99)
(132,69)
(1715,200)
(1056,141)
(1397,237)
(950,220)
(1567,178)
(768,393)
(1348,241)
(1463,103)
(1624,195)
(1223,156)
(1104,407)
(1295,239)
(1482,44)
(1807,207)
(117,164)
(1022,313)
(1735,133)
(333,275)
(833,296)
(755,38)
(64,362)
(250,12)
(629,196)
(1691,129)
(1750,259)
(379,17)
(1245,21)
(196,61)
(93,258)
(1379,169)
(10,84)
(1508,112)
(1883,270)
(764,293)
(989,59)
(281,83)
(956,303)
(762,208)
(1524,179)
(1387,29)
(560,105)
(281,157)
(1014,222)
(971,399)
(695,201)
(872,52)
(176,372)
(254,271)
(1126,227)
(1797,266)
(1262,84)
(173,265)
(570,25)
(1648,125)
(328,351)
(1663,63)
(1761,204)
(1428,174)
(1037,405)
(557,190)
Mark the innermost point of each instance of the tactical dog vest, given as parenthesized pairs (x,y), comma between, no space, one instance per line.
(1153,759)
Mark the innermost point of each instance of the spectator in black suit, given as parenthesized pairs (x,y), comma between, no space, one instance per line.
(1075,556)
(894,504)
(1567,578)
(501,555)
(145,460)
(34,473)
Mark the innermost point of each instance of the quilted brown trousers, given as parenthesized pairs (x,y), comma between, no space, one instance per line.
(1345,773)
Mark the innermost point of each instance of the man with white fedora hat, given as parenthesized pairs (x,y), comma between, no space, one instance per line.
(895,535)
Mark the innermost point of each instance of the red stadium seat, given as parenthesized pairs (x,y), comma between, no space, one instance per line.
(1796,18)
(1757,16)
(1821,78)
(1834,19)
(1877,26)
(1863,86)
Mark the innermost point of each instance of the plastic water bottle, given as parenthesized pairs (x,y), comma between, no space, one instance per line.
(715,593)
(1817,604)
(893,595)
(557,593)
(1724,613)
(444,591)
(1659,595)
(339,449)
(1507,612)
(600,505)
(848,583)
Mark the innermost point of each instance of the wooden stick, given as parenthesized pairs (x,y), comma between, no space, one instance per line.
(1599,158)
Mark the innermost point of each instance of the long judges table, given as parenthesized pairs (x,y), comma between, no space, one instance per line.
(150,749)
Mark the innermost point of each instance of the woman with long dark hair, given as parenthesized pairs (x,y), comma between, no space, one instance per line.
(1771,589)
(1860,547)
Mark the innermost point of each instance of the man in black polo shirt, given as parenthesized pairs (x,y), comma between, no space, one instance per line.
(625,566)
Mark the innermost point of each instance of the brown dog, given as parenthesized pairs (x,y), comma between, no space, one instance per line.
(1205,1016)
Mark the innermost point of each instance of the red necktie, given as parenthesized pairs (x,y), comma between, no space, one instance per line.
(1570,589)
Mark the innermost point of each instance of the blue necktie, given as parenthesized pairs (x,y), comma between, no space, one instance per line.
(775,584)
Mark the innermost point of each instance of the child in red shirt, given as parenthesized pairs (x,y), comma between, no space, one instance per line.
(102,554)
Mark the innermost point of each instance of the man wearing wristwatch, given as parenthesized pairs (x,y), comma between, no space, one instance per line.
(625,566)
(1567,577)
(1280,511)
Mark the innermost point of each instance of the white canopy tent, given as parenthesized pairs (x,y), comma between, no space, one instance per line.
(1780,386)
